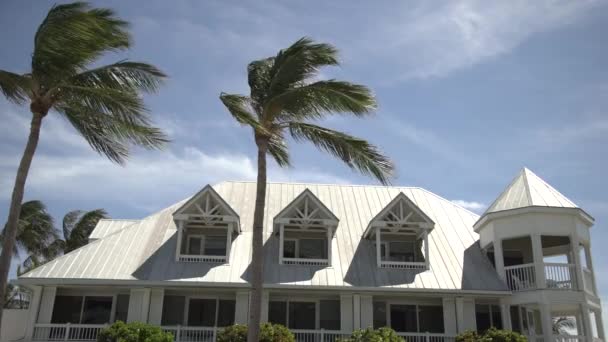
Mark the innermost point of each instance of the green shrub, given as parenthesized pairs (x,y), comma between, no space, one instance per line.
(268,333)
(133,332)
(491,335)
(370,335)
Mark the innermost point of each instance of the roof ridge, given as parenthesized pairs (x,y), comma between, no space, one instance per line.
(524,172)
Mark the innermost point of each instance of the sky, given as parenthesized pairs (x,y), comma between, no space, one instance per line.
(469,93)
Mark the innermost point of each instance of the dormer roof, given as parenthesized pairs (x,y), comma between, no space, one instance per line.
(306,208)
(208,206)
(400,213)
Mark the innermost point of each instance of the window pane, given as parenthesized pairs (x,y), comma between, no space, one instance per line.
(379,314)
(225,313)
(401,251)
(496,317)
(67,309)
(289,249)
(122,308)
(330,314)
(173,310)
(313,249)
(277,313)
(302,315)
(215,245)
(515,319)
(97,310)
(482,316)
(201,312)
(430,318)
(403,318)
(194,246)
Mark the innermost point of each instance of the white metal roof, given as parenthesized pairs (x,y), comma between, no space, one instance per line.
(145,250)
(107,227)
(527,190)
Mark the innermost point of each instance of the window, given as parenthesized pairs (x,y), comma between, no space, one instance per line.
(305,248)
(409,317)
(487,316)
(302,314)
(277,312)
(206,245)
(82,309)
(225,313)
(401,251)
(201,312)
(173,310)
(122,307)
(329,314)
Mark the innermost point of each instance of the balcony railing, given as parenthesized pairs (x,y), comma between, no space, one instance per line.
(201,258)
(305,262)
(569,338)
(66,332)
(405,265)
(558,276)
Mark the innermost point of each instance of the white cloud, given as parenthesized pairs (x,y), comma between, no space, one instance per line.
(474,206)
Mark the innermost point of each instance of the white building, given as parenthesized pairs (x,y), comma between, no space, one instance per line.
(337,258)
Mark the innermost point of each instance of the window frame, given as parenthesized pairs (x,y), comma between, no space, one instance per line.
(217,300)
(203,243)
(82,304)
(416,304)
(415,265)
(317,302)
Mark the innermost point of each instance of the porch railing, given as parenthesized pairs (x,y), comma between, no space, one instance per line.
(569,338)
(192,334)
(521,277)
(66,332)
(560,276)
(588,280)
(427,337)
(318,335)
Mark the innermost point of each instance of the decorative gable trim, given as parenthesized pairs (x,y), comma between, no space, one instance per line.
(213,210)
(399,218)
(318,214)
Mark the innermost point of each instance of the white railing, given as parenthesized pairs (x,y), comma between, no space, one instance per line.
(521,277)
(201,258)
(560,276)
(305,262)
(319,335)
(427,337)
(403,265)
(192,334)
(66,332)
(588,280)
(569,338)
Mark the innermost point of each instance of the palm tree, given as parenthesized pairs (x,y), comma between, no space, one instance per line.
(285,100)
(564,325)
(35,229)
(104,104)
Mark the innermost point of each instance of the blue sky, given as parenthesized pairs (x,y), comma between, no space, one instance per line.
(469,93)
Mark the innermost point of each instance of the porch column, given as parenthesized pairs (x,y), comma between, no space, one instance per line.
(241,308)
(356,312)
(585,314)
(499,259)
(449,316)
(465,314)
(539,264)
(139,305)
(33,311)
(599,323)
(265,303)
(505,315)
(157,297)
(593,284)
(367,311)
(46,304)
(346,312)
(578,268)
(547,321)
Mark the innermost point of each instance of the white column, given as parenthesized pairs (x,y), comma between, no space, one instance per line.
(580,281)
(426,249)
(178,249)
(367,311)
(241,314)
(587,248)
(281,240)
(499,260)
(505,314)
(265,303)
(588,332)
(329,238)
(599,322)
(378,247)
(449,316)
(539,264)
(139,305)
(546,321)
(356,312)
(346,312)
(46,304)
(155,315)
(33,311)
(228,242)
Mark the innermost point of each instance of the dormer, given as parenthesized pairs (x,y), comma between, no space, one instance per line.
(206,225)
(305,228)
(400,234)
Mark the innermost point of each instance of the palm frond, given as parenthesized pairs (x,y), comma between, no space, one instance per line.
(355,152)
(35,229)
(69,222)
(258,77)
(73,35)
(302,60)
(123,75)
(83,227)
(277,148)
(317,99)
(240,108)
(15,88)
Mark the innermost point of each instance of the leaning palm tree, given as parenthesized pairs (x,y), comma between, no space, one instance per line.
(77,226)
(35,229)
(104,103)
(285,100)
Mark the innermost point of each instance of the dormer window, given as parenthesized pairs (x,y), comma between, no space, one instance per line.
(306,228)
(206,226)
(400,235)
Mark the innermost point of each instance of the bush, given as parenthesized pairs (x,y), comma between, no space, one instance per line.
(268,333)
(133,332)
(491,335)
(370,335)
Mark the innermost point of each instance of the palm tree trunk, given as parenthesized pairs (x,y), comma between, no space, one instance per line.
(16,199)
(257,258)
